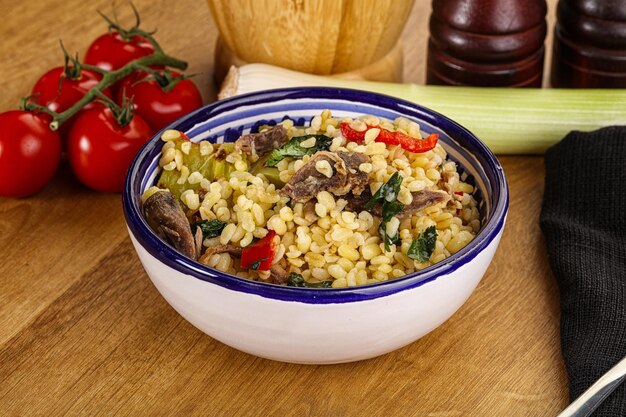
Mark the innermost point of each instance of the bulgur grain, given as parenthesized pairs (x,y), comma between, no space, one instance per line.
(329,242)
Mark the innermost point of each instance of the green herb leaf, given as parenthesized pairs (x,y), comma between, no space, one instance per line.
(424,245)
(296,280)
(210,228)
(388,192)
(387,240)
(294,150)
(256,264)
(390,209)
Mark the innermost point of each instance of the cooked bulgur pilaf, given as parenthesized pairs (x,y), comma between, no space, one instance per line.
(303,206)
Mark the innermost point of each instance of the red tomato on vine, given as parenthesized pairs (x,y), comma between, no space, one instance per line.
(61,87)
(162,97)
(102,145)
(112,50)
(119,46)
(29,153)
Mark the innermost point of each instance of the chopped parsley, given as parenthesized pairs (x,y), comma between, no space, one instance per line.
(424,245)
(210,228)
(294,150)
(388,195)
(388,192)
(390,209)
(296,280)
(256,264)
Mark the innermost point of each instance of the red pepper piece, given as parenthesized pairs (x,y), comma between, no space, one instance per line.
(259,255)
(351,134)
(459,193)
(417,145)
(392,138)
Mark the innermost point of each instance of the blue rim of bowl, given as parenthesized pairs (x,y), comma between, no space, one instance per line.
(170,257)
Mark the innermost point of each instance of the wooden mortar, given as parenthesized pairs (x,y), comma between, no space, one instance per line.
(355,38)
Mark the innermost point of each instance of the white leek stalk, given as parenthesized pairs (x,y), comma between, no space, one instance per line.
(508,120)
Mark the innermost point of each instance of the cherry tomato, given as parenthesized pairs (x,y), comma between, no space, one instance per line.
(29,153)
(59,92)
(100,150)
(110,51)
(155,104)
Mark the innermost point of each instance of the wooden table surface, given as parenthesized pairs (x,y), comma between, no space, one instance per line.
(84,332)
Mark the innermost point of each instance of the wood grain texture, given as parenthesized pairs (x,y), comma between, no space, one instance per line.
(326,36)
(84,332)
(387,69)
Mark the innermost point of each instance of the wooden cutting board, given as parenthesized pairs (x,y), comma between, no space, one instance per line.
(84,332)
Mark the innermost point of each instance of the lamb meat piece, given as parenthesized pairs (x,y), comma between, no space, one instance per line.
(167,218)
(357,180)
(234,250)
(421,200)
(279,275)
(262,143)
(356,203)
(307,182)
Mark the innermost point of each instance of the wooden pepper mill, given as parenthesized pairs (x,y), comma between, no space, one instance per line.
(590,44)
(495,43)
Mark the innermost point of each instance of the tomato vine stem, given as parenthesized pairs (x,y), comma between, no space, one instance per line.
(158,58)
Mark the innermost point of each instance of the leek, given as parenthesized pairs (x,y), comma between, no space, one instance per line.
(508,120)
(208,166)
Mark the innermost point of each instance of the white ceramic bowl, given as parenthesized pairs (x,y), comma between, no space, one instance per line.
(318,326)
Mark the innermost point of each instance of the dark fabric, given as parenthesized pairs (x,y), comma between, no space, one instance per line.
(583,219)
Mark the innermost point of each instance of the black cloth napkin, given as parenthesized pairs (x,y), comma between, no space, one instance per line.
(583,219)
